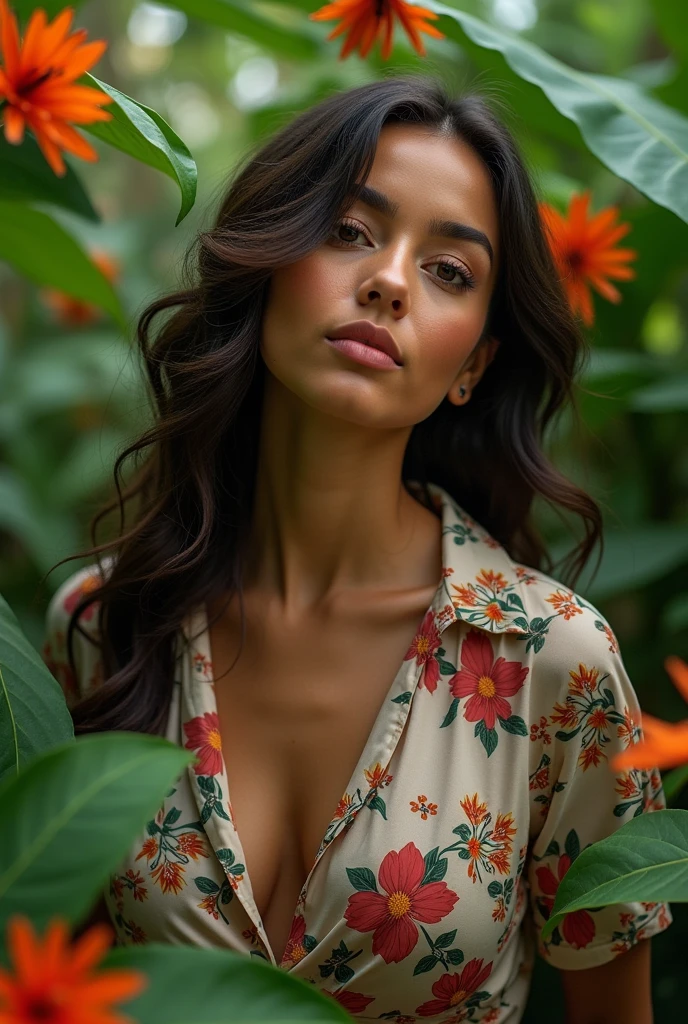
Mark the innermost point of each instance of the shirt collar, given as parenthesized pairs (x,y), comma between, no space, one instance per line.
(480,584)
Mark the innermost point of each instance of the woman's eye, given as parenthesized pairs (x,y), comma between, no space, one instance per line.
(353,230)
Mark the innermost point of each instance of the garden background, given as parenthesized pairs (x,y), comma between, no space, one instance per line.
(226,73)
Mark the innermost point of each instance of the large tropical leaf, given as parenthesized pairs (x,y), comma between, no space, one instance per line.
(33,712)
(70,816)
(26,175)
(640,139)
(142,133)
(644,860)
(24,8)
(201,986)
(41,249)
(633,557)
(238,16)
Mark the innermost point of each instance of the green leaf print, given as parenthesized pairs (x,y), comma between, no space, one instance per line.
(451,714)
(488,737)
(494,889)
(445,939)
(514,724)
(455,956)
(343,973)
(362,879)
(426,963)
(403,698)
(378,804)
(463,831)
(206,885)
(435,868)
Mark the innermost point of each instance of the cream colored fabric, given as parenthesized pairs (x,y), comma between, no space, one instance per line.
(485,774)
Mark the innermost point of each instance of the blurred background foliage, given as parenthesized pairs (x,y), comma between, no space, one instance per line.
(225,74)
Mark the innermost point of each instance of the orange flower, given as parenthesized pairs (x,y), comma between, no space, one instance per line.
(584,251)
(365,20)
(665,744)
(73,312)
(53,983)
(37,82)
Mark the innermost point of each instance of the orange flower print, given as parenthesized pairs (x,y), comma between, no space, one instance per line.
(585,252)
(491,601)
(452,990)
(487,682)
(343,806)
(203,736)
(53,981)
(563,604)
(424,807)
(366,20)
(37,83)
(376,776)
(423,648)
(406,898)
(475,812)
(588,710)
(486,849)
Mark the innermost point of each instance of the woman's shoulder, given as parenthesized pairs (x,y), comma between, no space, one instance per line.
(86,635)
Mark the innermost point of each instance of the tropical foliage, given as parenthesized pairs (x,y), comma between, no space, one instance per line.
(596,92)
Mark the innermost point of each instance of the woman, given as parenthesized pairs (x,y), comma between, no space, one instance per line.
(331,588)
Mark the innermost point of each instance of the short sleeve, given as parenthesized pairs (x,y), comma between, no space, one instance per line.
(86,648)
(578,798)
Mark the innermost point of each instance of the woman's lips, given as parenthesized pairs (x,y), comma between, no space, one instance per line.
(364,354)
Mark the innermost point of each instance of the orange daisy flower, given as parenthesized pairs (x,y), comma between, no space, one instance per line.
(37,84)
(72,312)
(665,744)
(53,982)
(584,252)
(366,20)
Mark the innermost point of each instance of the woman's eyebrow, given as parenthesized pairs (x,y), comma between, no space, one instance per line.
(441,228)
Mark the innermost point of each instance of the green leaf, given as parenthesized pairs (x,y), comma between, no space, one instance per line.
(25,175)
(634,557)
(640,139)
(24,8)
(141,132)
(200,986)
(674,781)
(237,16)
(35,245)
(670,395)
(362,879)
(70,816)
(33,711)
(646,860)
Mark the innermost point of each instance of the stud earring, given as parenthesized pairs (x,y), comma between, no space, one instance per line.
(462,391)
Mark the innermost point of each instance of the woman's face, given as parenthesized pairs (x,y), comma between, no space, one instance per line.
(400,273)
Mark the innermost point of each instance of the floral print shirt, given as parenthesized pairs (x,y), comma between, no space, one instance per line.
(484,777)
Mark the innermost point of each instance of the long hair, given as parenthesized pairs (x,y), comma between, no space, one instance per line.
(190,498)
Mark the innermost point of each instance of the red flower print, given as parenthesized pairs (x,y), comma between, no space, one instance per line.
(423,647)
(391,916)
(354,1002)
(453,989)
(486,680)
(578,928)
(203,736)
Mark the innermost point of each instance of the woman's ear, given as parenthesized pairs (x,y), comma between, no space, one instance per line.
(473,369)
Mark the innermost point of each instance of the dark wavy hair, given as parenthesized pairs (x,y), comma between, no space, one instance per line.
(191,497)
